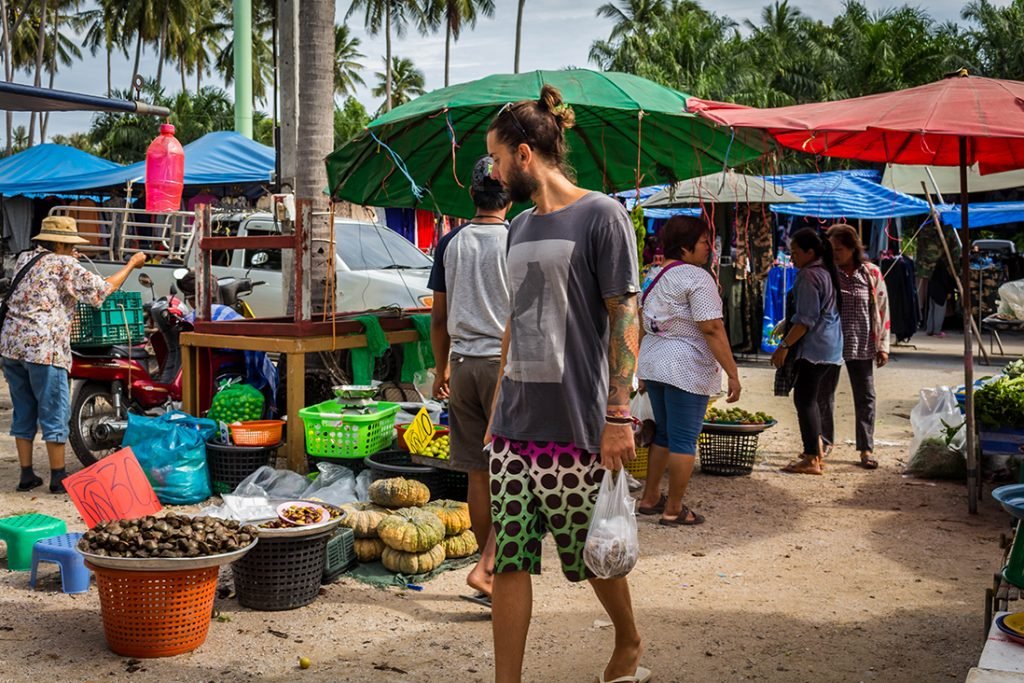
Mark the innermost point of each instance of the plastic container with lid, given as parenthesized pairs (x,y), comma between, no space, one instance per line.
(165,171)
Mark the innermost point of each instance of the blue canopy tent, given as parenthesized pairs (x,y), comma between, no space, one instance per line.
(846,195)
(984,215)
(47,163)
(220,158)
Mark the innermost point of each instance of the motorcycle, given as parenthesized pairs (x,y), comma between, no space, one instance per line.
(109,382)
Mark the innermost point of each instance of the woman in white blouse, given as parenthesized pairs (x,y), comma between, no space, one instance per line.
(682,353)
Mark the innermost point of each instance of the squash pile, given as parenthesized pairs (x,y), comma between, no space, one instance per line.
(407,532)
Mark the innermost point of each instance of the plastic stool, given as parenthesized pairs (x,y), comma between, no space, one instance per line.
(22,531)
(62,550)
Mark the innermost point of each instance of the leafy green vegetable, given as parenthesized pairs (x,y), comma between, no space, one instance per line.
(1000,403)
(1014,369)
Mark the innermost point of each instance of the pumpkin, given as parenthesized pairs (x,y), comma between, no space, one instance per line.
(460,545)
(363,518)
(411,530)
(399,492)
(369,549)
(413,563)
(454,514)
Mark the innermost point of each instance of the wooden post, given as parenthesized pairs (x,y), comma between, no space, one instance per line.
(296,382)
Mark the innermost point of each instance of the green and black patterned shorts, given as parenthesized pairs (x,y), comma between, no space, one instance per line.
(536,488)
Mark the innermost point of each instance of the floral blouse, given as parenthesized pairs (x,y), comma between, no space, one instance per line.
(39,313)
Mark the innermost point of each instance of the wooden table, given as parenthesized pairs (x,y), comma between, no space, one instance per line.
(294,349)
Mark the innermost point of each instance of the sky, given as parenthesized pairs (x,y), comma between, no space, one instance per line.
(556,34)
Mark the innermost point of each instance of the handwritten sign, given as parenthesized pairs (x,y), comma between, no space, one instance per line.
(114,488)
(420,433)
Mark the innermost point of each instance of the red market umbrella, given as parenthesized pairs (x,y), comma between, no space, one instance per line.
(958,121)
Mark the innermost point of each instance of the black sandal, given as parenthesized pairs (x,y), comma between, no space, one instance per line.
(656,509)
(682,520)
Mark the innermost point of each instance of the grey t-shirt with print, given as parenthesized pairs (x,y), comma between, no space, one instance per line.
(562,266)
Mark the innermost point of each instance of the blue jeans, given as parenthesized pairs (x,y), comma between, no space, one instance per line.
(679,416)
(40,395)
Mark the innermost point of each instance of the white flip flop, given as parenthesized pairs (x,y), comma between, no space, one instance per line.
(642,675)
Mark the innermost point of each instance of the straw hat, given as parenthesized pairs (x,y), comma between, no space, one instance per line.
(60,229)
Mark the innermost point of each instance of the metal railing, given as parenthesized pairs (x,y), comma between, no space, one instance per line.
(114,233)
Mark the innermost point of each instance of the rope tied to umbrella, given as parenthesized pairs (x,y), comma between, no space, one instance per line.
(400,164)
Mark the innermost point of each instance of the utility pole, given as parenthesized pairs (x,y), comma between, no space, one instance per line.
(242,20)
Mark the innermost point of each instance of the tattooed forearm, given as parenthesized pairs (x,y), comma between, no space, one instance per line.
(623,348)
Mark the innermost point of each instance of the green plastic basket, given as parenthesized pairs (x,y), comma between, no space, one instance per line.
(332,433)
(118,321)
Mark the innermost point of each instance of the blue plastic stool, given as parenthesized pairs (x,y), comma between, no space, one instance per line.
(62,550)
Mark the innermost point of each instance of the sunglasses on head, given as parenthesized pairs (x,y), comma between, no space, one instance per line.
(515,119)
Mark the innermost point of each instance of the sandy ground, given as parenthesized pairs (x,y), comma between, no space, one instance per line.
(853,576)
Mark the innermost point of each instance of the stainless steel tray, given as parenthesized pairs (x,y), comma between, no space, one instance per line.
(721,428)
(164,564)
(295,531)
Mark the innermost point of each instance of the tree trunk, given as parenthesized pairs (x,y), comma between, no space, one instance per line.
(40,47)
(181,69)
(519,33)
(110,79)
(447,51)
(45,118)
(138,54)
(6,47)
(387,57)
(287,144)
(315,138)
(162,51)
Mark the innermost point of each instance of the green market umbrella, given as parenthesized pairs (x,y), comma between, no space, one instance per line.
(421,154)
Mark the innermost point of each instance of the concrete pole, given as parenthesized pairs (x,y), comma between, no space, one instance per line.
(242,12)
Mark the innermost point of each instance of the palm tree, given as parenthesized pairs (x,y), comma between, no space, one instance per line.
(105,30)
(262,51)
(316,133)
(388,14)
(141,22)
(346,61)
(406,81)
(519,32)
(453,14)
(997,36)
(632,17)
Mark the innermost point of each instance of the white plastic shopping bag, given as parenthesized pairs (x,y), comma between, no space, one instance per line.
(613,546)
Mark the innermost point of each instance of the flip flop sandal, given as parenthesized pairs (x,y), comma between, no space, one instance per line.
(481,599)
(656,509)
(682,520)
(869,463)
(802,468)
(642,675)
(29,485)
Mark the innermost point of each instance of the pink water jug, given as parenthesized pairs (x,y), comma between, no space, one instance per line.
(165,171)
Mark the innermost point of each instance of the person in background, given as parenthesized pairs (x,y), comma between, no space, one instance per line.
(35,341)
(864,314)
(683,349)
(939,286)
(815,325)
(561,419)
(467,323)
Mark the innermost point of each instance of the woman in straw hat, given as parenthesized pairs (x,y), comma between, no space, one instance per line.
(35,341)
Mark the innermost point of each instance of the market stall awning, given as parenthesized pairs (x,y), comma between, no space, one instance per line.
(48,163)
(724,187)
(845,195)
(220,158)
(908,178)
(630,197)
(984,215)
(19,97)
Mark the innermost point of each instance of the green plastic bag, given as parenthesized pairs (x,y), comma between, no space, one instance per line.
(236,402)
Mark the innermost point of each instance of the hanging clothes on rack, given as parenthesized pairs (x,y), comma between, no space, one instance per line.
(901,283)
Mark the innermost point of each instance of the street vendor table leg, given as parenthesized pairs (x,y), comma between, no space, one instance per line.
(188,383)
(296,381)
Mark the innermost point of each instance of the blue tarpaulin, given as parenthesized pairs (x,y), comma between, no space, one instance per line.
(630,197)
(221,158)
(846,194)
(984,215)
(47,163)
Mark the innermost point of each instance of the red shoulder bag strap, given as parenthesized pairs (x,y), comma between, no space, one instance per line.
(665,269)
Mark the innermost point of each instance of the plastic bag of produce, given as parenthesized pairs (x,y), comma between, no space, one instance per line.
(937,449)
(612,546)
(171,449)
(1011,299)
(336,484)
(273,484)
(236,402)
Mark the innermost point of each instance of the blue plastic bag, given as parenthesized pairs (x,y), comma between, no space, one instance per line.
(171,449)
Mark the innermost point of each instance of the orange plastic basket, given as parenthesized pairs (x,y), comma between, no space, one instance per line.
(257,433)
(155,614)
